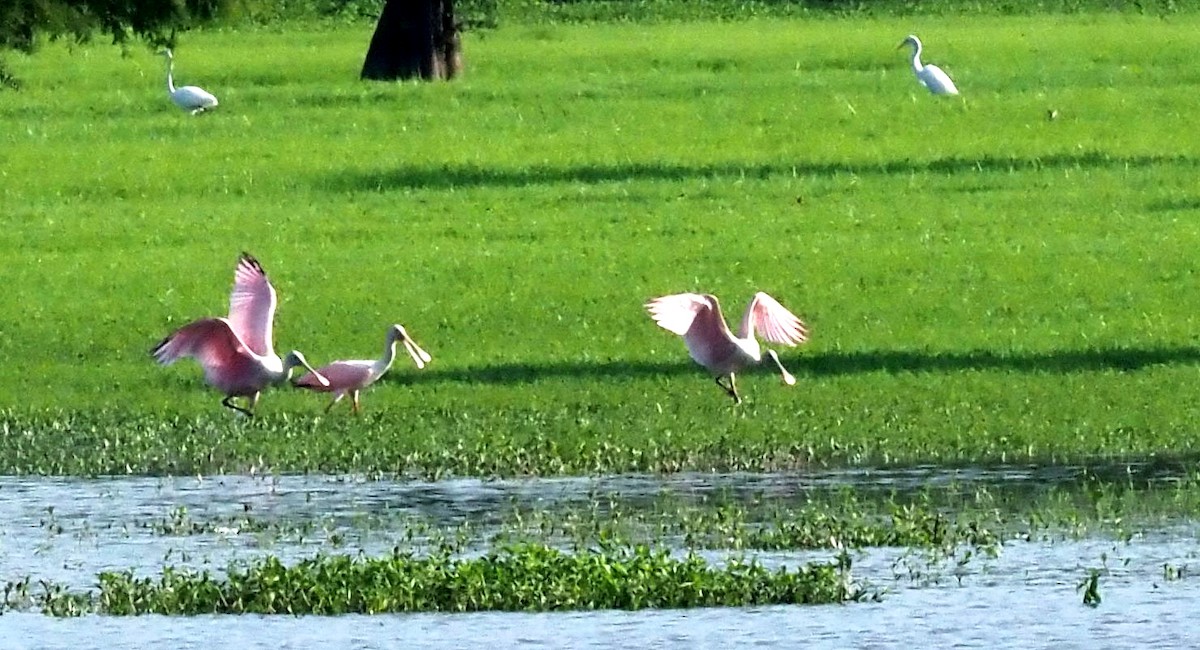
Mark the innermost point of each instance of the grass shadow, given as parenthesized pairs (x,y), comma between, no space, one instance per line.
(828,364)
(527,373)
(1061,362)
(408,177)
(1176,205)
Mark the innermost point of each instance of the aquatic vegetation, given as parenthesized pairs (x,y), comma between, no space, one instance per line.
(441,443)
(954,523)
(811,512)
(735,526)
(527,577)
(1172,572)
(1090,586)
(928,534)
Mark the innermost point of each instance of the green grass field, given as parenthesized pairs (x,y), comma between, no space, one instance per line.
(983,283)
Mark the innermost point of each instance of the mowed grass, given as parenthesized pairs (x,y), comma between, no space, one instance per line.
(982,282)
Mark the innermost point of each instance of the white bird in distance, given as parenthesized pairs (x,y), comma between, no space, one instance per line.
(930,76)
(189,98)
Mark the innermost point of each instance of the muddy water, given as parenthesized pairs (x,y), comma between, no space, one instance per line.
(69,530)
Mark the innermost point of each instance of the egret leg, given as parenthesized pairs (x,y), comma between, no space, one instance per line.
(356,408)
(228,403)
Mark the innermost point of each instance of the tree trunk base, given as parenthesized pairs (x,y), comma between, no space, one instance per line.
(414,39)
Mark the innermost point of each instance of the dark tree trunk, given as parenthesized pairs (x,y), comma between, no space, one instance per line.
(414,39)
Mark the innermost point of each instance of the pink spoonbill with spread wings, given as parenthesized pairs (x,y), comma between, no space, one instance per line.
(237,353)
(697,318)
(354,375)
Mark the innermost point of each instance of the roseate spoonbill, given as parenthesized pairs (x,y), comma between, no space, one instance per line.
(189,98)
(930,76)
(236,353)
(354,375)
(697,318)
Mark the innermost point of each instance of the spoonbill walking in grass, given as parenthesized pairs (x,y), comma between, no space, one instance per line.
(189,98)
(236,353)
(354,375)
(930,76)
(697,318)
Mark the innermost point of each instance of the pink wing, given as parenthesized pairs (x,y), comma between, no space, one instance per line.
(252,305)
(210,341)
(772,321)
(675,313)
(342,376)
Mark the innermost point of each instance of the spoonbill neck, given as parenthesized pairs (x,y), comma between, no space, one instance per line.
(749,346)
(277,369)
(389,353)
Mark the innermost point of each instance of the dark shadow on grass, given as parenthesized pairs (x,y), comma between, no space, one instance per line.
(1061,362)
(827,364)
(1176,205)
(527,373)
(465,176)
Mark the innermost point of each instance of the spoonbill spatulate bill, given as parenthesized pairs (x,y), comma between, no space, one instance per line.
(698,319)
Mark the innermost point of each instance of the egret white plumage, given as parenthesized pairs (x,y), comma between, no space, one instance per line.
(930,76)
(189,98)
(697,318)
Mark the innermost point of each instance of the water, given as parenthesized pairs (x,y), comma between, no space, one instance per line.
(68,530)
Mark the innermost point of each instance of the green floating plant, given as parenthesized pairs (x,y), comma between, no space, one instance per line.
(515,578)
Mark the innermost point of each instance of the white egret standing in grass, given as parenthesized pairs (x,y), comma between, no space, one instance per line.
(697,318)
(189,98)
(930,76)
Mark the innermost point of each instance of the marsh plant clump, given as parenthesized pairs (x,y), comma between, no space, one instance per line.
(980,516)
(733,526)
(523,577)
(415,442)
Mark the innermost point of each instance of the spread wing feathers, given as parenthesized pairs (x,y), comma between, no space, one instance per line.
(342,376)
(211,341)
(252,305)
(675,313)
(772,321)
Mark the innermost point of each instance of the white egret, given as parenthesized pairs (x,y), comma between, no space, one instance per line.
(930,76)
(189,98)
